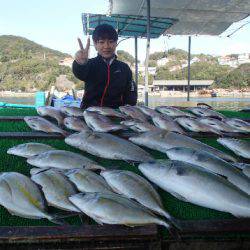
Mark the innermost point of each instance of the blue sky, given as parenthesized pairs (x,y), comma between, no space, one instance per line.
(57,24)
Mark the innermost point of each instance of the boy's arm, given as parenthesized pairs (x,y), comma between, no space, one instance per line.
(130,95)
(81,63)
(81,71)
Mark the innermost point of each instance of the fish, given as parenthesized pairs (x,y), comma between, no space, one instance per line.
(246,171)
(191,183)
(62,159)
(107,146)
(244,167)
(56,188)
(199,111)
(29,149)
(211,163)
(75,123)
(218,125)
(167,123)
(72,111)
(239,147)
(191,124)
(106,111)
(51,112)
(148,111)
(238,124)
(115,209)
(133,112)
(41,124)
(139,126)
(165,140)
(22,197)
(100,123)
(173,112)
(87,181)
(135,187)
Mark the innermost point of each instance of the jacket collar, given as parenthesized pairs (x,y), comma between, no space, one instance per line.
(110,61)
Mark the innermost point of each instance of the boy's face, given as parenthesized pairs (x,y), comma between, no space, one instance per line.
(105,47)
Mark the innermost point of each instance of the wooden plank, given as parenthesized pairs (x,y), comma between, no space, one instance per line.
(215,226)
(11,118)
(31,135)
(77,233)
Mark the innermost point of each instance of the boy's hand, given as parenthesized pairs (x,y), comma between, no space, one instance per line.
(82,55)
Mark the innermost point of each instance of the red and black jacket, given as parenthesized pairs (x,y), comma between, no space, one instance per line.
(108,85)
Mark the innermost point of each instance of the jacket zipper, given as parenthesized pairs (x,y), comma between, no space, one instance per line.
(106,86)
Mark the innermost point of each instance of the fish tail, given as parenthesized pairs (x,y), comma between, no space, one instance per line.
(174,221)
(58,218)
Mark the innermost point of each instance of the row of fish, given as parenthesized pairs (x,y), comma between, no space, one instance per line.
(139,118)
(59,191)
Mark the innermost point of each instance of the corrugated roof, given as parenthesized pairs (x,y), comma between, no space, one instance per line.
(127,25)
(182,82)
(202,17)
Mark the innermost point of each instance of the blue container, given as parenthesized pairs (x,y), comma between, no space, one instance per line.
(40,99)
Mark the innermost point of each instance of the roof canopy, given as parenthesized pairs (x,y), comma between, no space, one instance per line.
(127,25)
(201,17)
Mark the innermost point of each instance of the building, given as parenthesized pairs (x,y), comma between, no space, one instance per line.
(66,62)
(180,85)
(151,70)
(163,61)
(234,61)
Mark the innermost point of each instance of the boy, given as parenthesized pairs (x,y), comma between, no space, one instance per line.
(108,82)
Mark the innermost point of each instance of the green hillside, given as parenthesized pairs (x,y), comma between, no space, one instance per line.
(27,66)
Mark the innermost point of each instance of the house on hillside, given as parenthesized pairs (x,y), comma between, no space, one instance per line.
(180,85)
(163,61)
(67,61)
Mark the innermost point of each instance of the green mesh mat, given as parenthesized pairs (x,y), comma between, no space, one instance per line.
(175,207)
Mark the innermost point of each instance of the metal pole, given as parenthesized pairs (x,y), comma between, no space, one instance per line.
(189,58)
(136,61)
(147,52)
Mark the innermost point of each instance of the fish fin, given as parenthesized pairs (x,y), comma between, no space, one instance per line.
(15,213)
(98,221)
(177,223)
(178,196)
(59,221)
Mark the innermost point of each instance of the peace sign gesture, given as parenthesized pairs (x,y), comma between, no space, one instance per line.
(82,55)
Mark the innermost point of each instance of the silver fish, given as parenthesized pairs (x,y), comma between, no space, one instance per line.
(199,111)
(107,146)
(139,126)
(22,197)
(100,123)
(133,112)
(239,147)
(75,123)
(51,112)
(41,124)
(171,111)
(238,124)
(29,149)
(148,111)
(194,184)
(106,111)
(88,182)
(72,111)
(192,124)
(244,167)
(167,123)
(211,163)
(114,209)
(164,140)
(218,125)
(62,159)
(56,188)
(135,187)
